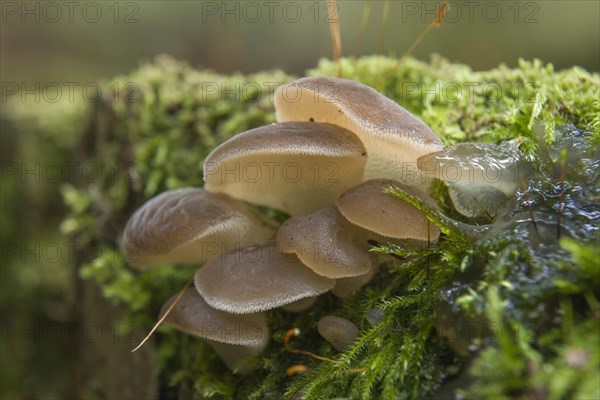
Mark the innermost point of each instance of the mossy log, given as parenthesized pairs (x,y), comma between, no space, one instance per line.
(154,135)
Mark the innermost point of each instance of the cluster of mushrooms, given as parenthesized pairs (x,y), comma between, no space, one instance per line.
(336,147)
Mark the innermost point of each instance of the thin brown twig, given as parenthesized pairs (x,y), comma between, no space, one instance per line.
(434,24)
(295,332)
(362,27)
(384,20)
(336,39)
(164,315)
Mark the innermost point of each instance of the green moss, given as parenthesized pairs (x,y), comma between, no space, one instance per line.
(156,137)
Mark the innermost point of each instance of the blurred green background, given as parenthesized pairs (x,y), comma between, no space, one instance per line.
(79,42)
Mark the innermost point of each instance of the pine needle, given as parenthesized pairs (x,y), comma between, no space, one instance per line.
(434,24)
(336,40)
(384,20)
(164,315)
(362,27)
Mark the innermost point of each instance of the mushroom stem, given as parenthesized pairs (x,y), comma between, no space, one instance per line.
(165,315)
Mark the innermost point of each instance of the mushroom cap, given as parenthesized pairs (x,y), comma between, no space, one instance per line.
(393,137)
(367,206)
(476,200)
(257,279)
(188,225)
(338,331)
(194,316)
(483,164)
(296,167)
(480,176)
(325,242)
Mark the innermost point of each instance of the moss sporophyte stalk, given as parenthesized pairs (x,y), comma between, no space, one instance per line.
(503,304)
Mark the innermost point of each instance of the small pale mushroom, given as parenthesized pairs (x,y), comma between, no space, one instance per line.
(327,243)
(296,167)
(480,176)
(393,137)
(235,337)
(367,206)
(338,331)
(189,225)
(257,279)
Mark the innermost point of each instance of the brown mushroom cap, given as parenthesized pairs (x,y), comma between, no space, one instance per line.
(480,176)
(189,225)
(483,164)
(296,167)
(476,200)
(393,137)
(325,242)
(367,206)
(194,316)
(257,279)
(338,331)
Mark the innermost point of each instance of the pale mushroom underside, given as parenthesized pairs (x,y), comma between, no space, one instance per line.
(393,137)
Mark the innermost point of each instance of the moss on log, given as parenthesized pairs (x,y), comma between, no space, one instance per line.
(541,297)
